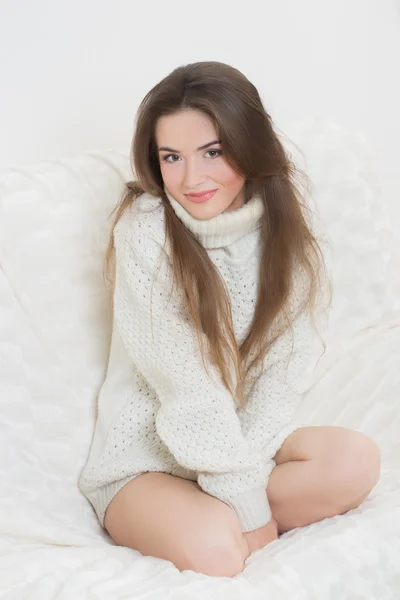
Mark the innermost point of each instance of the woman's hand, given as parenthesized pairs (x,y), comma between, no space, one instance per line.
(261,537)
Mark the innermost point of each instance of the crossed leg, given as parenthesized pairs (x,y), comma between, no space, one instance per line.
(321,472)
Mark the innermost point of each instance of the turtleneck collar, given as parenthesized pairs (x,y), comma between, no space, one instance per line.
(225,228)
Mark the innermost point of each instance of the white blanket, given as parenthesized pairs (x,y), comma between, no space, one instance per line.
(54,339)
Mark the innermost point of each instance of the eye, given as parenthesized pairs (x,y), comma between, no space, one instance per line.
(171,158)
(213,153)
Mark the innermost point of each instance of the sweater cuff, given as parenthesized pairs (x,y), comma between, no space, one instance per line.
(252,508)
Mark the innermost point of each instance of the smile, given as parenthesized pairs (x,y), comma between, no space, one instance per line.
(201,196)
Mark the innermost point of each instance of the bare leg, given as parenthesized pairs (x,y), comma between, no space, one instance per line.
(321,472)
(172,518)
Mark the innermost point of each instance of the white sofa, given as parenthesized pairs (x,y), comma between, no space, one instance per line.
(54,340)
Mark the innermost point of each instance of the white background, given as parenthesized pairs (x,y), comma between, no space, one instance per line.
(74,71)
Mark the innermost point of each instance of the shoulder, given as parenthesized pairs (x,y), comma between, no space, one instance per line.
(141,229)
(141,252)
(143,218)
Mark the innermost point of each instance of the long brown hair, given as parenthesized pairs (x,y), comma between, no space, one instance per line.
(253,149)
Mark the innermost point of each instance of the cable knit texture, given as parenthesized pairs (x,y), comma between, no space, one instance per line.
(158,409)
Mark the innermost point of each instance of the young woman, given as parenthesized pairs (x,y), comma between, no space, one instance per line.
(216,279)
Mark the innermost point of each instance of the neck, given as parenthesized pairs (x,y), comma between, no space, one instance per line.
(225,228)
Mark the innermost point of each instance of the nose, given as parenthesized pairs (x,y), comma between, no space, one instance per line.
(193,174)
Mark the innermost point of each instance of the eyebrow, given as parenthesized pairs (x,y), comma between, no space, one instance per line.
(166,149)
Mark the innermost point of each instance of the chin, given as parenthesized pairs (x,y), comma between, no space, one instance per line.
(203,212)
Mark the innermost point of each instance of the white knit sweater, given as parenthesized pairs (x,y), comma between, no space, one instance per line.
(158,409)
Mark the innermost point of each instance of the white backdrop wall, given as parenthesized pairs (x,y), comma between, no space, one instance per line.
(74,71)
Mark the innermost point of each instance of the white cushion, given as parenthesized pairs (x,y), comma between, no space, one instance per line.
(54,332)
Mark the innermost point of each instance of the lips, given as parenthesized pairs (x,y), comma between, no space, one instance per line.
(201,196)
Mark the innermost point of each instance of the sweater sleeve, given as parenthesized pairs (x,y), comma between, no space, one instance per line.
(197,417)
(268,418)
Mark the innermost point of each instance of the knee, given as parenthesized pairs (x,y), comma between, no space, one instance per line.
(219,554)
(357,471)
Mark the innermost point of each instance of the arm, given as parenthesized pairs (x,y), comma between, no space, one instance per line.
(197,419)
(267,418)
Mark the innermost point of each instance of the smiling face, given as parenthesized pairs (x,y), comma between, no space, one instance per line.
(193,166)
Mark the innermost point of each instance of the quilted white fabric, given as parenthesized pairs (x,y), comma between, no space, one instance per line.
(54,340)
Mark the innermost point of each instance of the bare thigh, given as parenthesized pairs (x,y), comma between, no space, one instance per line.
(171,518)
(321,472)
(351,450)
